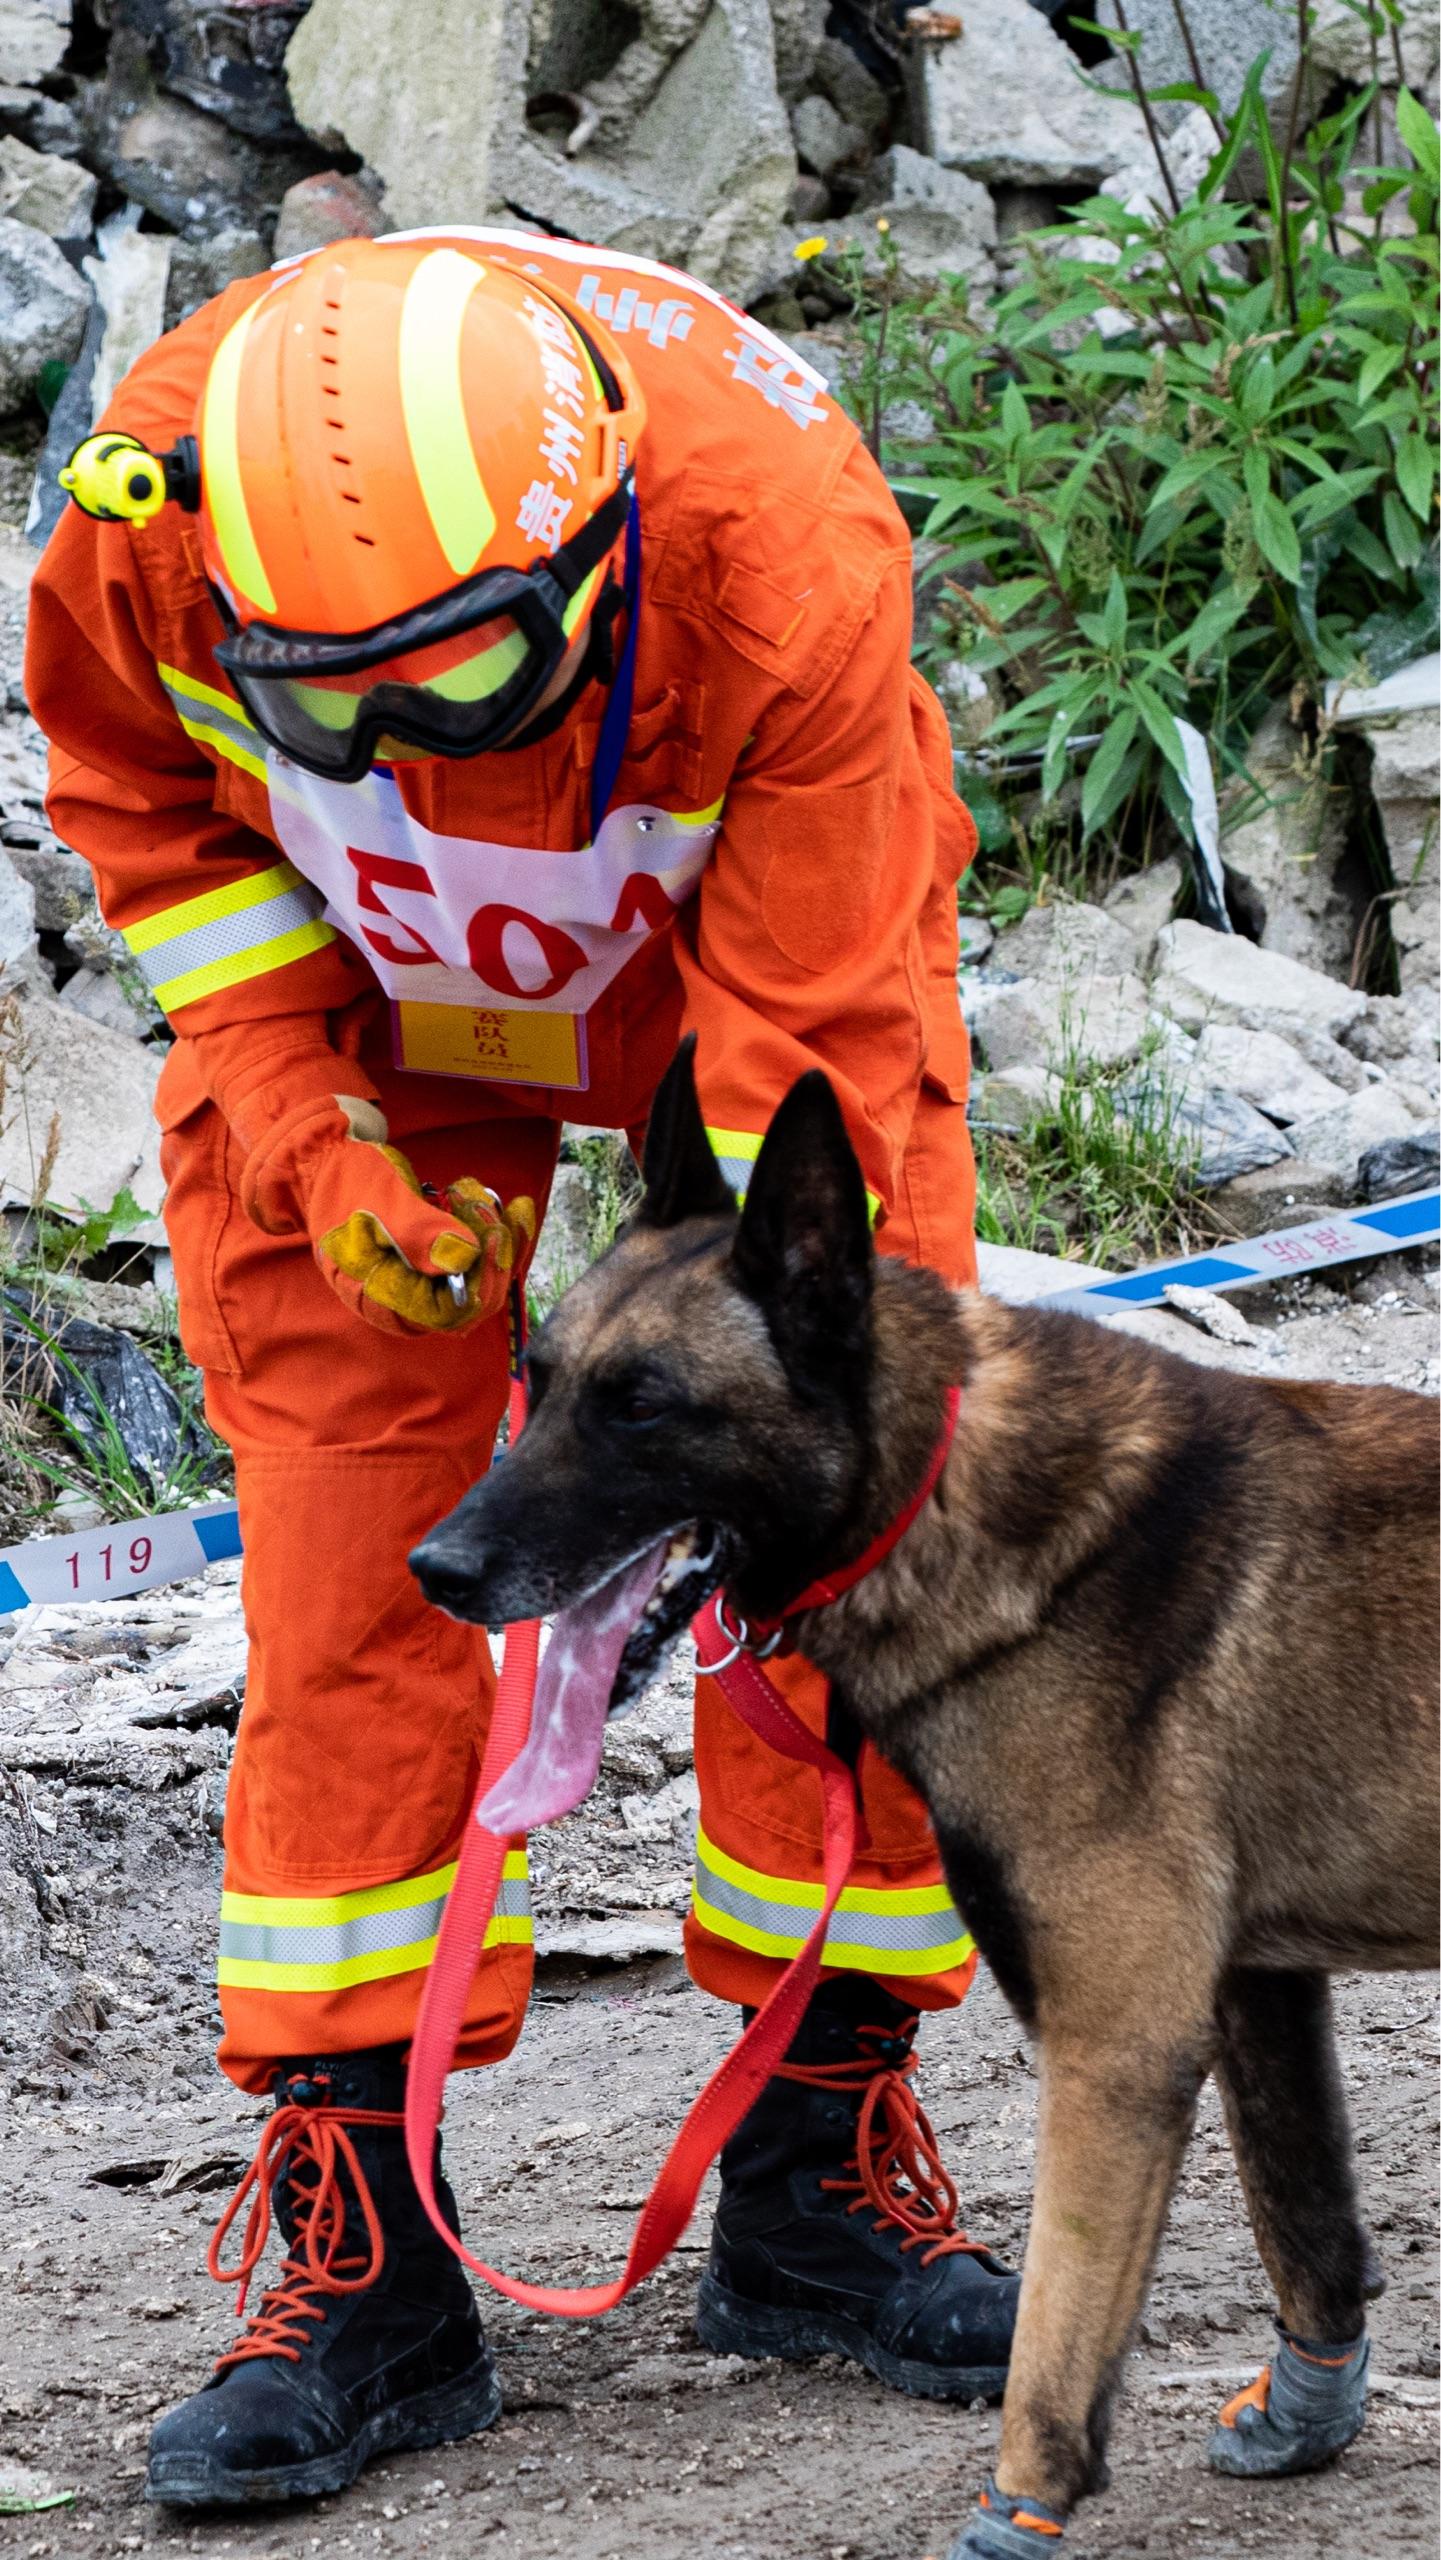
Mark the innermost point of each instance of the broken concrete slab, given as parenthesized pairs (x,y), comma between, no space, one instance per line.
(1144,901)
(1229,1135)
(53,195)
(1214,1315)
(824,140)
(327,207)
(701,178)
(1266,1071)
(33,38)
(130,277)
(17,927)
(619,1940)
(1007,102)
(1050,1021)
(1338,1139)
(1286,826)
(202,1681)
(99,1088)
(187,168)
(1064,942)
(200,269)
(43,310)
(938,221)
(1398,720)
(1341,42)
(1229,36)
(1219,977)
(853,91)
(98,997)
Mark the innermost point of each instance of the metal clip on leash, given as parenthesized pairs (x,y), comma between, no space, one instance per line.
(739,1635)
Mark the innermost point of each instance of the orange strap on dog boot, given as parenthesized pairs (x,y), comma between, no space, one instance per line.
(404,1262)
(1003,2528)
(1302,2409)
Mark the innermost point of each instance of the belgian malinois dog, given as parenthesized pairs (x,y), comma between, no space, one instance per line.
(1159,1654)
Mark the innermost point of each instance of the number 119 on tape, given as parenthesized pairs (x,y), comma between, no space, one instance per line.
(124,1557)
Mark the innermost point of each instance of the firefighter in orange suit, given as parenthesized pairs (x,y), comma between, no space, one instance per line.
(496,663)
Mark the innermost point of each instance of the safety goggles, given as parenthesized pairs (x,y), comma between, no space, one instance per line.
(448,678)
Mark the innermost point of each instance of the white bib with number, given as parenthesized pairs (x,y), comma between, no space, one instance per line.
(492,954)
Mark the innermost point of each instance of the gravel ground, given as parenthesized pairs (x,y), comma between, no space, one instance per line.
(622,2439)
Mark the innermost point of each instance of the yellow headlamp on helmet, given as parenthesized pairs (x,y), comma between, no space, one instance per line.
(119,480)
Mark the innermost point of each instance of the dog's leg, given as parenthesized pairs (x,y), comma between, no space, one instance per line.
(1116,2109)
(1286,2115)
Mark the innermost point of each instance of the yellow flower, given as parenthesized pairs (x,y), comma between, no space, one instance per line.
(812,248)
(881,223)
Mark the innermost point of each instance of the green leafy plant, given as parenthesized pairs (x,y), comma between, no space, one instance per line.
(1188,462)
(66,1244)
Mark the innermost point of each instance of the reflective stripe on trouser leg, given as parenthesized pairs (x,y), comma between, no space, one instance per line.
(299,1943)
(896,1930)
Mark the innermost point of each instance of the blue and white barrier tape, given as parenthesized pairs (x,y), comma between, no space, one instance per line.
(1349,1236)
(136,1555)
(115,1562)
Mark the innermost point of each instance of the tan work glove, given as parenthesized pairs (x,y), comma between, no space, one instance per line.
(403,1262)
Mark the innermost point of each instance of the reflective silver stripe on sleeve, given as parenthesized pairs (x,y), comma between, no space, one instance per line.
(227,937)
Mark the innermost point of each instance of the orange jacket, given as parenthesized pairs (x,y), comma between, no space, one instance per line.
(806,913)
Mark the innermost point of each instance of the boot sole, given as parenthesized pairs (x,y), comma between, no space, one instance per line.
(441,2416)
(731,2326)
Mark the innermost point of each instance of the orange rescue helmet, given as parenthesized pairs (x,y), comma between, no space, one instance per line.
(393,416)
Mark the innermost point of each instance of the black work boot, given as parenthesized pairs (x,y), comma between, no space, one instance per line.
(369,2340)
(836,2231)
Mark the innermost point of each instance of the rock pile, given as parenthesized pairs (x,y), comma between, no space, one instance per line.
(1256,1059)
(711,133)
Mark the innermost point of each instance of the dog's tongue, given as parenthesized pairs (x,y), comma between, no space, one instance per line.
(561,1759)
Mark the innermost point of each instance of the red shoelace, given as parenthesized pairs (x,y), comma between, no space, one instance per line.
(312,2143)
(898,2170)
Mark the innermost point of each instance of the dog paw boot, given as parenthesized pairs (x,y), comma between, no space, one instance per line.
(1301,2410)
(1003,2528)
(368,2341)
(836,2232)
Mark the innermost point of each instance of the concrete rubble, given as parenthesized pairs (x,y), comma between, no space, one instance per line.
(199,140)
(1007,102)
(1286,844)
(43,308)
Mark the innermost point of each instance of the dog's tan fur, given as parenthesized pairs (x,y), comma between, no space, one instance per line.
(1159,1655)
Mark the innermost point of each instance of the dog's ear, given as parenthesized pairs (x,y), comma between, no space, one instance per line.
(682,1177)
(803,1251)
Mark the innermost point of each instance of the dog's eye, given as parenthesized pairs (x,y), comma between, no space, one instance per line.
(636,1407)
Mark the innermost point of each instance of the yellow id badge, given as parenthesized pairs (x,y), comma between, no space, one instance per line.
(503,1047)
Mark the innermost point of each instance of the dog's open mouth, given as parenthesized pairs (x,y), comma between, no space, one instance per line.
(603,1651)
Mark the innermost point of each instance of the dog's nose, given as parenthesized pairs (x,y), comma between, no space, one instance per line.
(446,1578)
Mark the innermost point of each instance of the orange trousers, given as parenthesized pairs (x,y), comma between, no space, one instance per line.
(366,1709)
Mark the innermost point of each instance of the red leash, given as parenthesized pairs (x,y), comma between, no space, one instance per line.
(732,2090)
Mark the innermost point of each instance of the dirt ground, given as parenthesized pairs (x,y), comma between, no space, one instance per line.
(622,2440)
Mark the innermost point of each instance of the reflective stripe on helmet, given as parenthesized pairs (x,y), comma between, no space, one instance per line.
(296,1943)
(224,489)
(229,935)
(908,1929)
(432,399)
